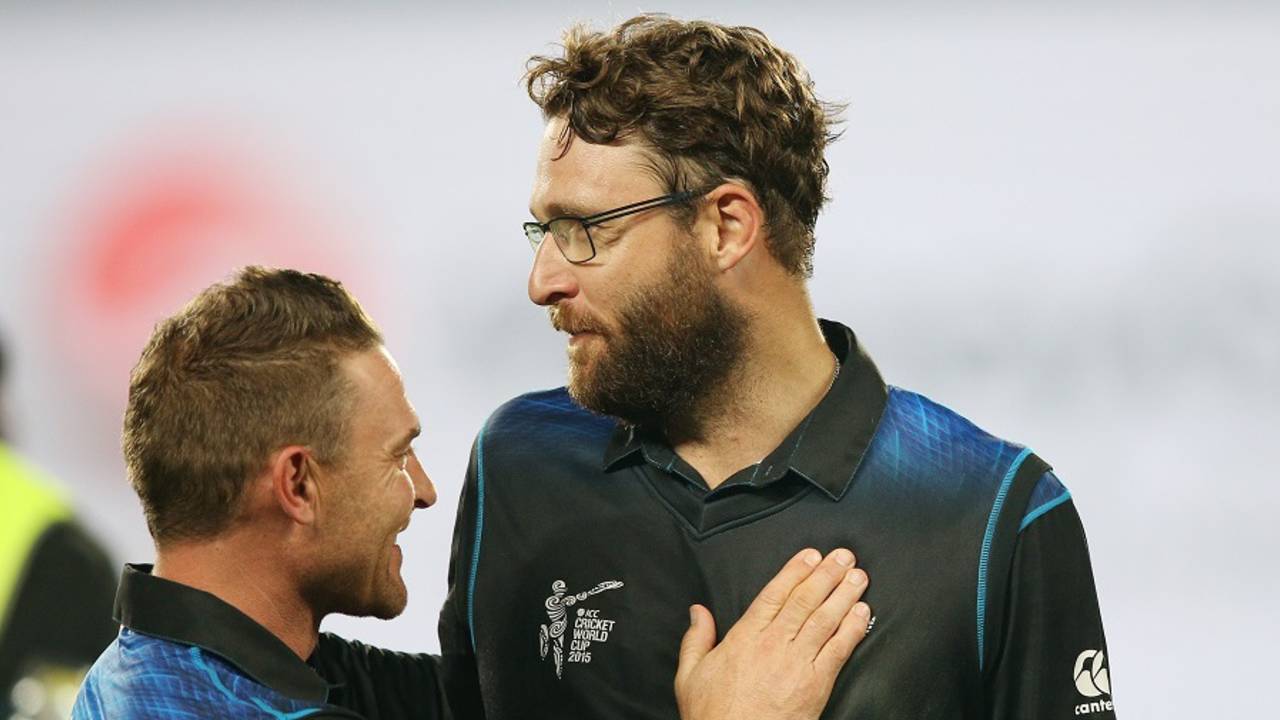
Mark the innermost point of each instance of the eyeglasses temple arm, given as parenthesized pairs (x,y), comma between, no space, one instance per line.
(639,206)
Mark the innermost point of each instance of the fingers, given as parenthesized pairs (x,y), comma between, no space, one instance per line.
(825,621)
(841,645)
(811,593)
(697,642)
(774,595)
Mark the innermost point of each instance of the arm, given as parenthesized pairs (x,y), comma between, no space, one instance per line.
(379,684)
(1053,657)
(780,661)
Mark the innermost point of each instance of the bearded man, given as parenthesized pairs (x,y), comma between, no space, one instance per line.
(711,422)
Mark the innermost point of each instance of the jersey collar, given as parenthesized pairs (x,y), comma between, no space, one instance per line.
(827,446)
(172,611)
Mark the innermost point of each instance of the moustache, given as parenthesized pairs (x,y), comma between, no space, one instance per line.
(572,324)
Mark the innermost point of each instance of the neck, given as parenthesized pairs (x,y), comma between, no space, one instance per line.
(786,370)
(229,567)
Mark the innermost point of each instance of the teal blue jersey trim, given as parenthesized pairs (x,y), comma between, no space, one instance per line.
(1031,516)
(985,558)
(475,549)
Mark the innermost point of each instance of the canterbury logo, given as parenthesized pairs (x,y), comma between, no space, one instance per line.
(1091,674)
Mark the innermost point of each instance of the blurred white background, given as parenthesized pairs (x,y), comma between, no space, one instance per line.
(1060,220)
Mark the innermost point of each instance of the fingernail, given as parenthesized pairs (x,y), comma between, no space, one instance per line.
(863,610)
(693,617)
(812,557)
(844,557)
(856,576)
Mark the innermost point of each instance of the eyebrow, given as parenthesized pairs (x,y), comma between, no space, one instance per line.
(555,210)
(408,438)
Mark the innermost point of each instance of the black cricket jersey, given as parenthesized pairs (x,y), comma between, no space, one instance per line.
(580,543)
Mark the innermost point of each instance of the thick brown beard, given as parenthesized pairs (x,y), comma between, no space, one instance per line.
(677,344)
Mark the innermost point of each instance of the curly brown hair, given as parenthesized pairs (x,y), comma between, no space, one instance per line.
(711,103)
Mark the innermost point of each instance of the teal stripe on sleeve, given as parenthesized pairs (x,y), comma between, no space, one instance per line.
(1044,508)
(988,537)
(475,549)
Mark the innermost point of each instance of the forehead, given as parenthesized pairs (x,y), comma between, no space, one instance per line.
(379,389)
(587,177)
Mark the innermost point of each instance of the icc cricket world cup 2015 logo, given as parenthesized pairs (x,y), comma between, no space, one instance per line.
(588,628)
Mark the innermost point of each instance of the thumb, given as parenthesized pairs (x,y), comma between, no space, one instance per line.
(698,641)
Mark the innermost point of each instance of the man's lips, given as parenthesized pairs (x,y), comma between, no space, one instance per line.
(578,329)
(573,326)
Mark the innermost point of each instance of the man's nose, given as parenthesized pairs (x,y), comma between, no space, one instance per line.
(424,491)
(552,278)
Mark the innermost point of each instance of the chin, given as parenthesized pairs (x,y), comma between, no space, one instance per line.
(388,612)
(383,600)
(580,392)
(579,380)
(389,603)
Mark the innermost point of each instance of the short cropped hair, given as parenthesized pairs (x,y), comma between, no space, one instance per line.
(247,367)
(711,103)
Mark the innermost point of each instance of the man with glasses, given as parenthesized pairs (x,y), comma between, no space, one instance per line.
(712,423)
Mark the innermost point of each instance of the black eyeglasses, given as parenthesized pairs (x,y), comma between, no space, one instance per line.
(573,234)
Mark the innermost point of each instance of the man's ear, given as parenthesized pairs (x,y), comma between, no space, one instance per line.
(738,220)
(293,483)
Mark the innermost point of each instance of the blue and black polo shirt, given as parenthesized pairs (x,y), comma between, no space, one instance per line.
(182,652)
(580,543)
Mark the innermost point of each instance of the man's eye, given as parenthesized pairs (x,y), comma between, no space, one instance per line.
(604,234)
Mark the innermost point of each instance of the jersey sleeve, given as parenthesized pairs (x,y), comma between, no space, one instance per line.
(379,684)
(1053,661)
(458,670)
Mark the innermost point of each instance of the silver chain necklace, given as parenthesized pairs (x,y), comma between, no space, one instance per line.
(835,374)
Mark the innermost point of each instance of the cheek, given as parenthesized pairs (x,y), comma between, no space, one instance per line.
(405,490)
(605,300)
(394,500)
(622,270)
